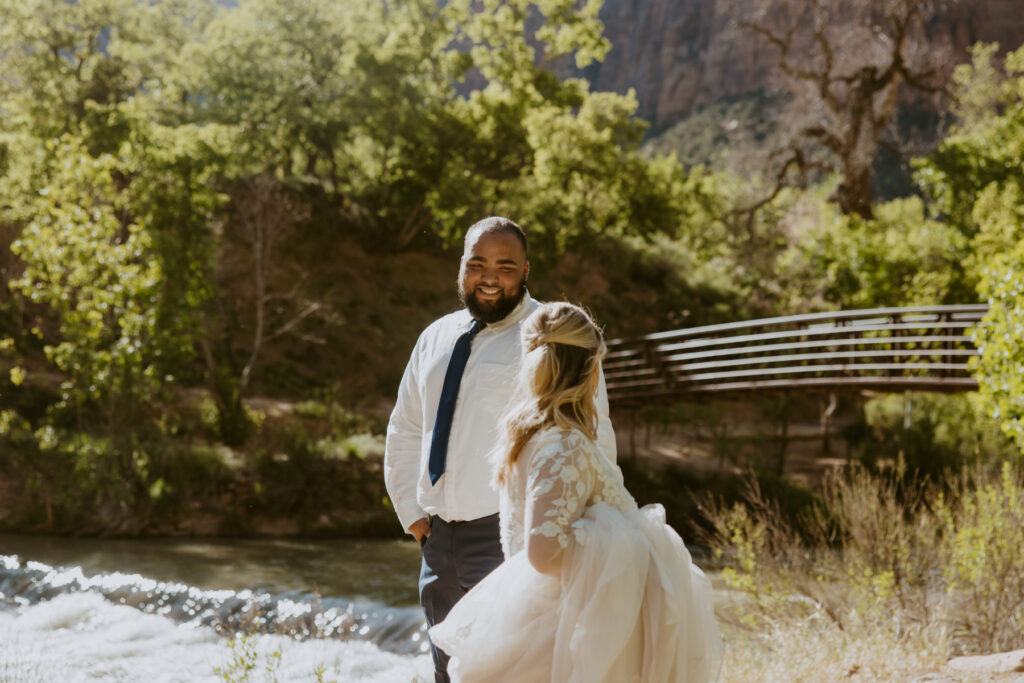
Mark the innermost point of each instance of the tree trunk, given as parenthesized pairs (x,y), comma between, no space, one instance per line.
(854,193)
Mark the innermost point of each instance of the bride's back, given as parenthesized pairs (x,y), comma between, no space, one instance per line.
(562,472)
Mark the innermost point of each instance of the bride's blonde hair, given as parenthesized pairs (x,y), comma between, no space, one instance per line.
(562,349)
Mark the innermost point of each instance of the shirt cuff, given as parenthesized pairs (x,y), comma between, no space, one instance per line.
(408,512)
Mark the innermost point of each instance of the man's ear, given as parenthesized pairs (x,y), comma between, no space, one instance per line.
(526,270)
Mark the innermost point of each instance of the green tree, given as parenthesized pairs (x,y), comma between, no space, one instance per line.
(977,179)
(563,160)
(341,101)
(1000,341)
(843,66)
(242,133)
(72,67)
(108,75)
(93,267)
(898,258)
(405,119)
(983,152)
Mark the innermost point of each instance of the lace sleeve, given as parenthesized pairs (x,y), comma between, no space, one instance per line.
(559,484)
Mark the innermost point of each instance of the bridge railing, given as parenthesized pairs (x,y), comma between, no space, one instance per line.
(892,349)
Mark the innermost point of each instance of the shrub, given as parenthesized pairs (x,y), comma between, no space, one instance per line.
(984,560)
(925,566)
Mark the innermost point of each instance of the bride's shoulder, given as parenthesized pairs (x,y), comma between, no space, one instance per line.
(560,443)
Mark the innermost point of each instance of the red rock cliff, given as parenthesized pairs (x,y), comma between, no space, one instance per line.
(681,54)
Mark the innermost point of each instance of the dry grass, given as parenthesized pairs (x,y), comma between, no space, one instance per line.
(816,651)
(887,580)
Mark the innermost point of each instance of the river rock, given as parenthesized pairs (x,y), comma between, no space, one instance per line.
(1004,662)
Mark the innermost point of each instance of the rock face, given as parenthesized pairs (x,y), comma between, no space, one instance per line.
(681,54)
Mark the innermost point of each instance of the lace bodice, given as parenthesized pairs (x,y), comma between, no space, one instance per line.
(559,474)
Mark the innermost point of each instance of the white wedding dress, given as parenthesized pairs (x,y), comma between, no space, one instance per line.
(626,605)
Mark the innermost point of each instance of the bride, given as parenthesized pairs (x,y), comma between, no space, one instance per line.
(592,589)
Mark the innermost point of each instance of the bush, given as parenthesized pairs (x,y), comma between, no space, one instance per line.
(984,560)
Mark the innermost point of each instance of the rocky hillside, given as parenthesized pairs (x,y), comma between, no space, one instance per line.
(682,54)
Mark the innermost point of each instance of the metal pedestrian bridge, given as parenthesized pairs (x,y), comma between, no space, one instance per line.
(920,348)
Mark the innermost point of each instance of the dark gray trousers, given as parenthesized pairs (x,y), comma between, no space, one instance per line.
(456,556)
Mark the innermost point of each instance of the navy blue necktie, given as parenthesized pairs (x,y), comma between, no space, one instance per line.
(446,406)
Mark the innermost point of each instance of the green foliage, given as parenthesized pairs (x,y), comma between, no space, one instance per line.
(132,136)
(725,135)
(495,33)
(986,148)
(984,566)
(250,663)
(562,159)
(357,102)
(327,481)
(931,433)
(143,144)
(311,409)
(95,271)
(343,98)
(357,445)
(1000,341)
(898,258)
(977,179)
(635,285)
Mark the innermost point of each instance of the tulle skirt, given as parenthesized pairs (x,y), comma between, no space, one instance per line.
(629,605)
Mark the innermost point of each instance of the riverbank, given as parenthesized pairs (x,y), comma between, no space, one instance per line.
(308,469)
(330,499)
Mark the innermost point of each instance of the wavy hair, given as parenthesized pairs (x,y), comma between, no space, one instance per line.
(562,350)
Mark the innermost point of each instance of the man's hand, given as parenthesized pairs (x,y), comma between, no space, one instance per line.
(420,529)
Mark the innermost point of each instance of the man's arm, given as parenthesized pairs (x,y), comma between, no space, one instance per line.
(605,432)
(402,451)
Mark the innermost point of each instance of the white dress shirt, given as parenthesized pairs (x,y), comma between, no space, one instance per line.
(464,490)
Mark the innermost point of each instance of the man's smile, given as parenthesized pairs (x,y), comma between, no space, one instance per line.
(489,292)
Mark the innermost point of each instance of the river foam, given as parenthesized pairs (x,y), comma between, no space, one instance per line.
(56,624)
(83,637)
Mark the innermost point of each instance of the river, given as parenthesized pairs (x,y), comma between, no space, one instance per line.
(167,610)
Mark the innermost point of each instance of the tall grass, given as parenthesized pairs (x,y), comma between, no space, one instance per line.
(887,577)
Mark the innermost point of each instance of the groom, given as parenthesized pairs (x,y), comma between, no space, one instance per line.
(445,421)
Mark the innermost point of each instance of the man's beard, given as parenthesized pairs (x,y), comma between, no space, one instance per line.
(492,313)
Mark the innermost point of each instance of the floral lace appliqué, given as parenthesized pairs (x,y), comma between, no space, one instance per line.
(563,473)
(562,477)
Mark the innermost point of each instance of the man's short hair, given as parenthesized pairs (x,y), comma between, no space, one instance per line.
(498,224)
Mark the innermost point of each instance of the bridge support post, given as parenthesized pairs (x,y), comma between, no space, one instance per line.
(828,409)
(782,411)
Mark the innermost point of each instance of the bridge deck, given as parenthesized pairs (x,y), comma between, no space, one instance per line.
(889,349)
